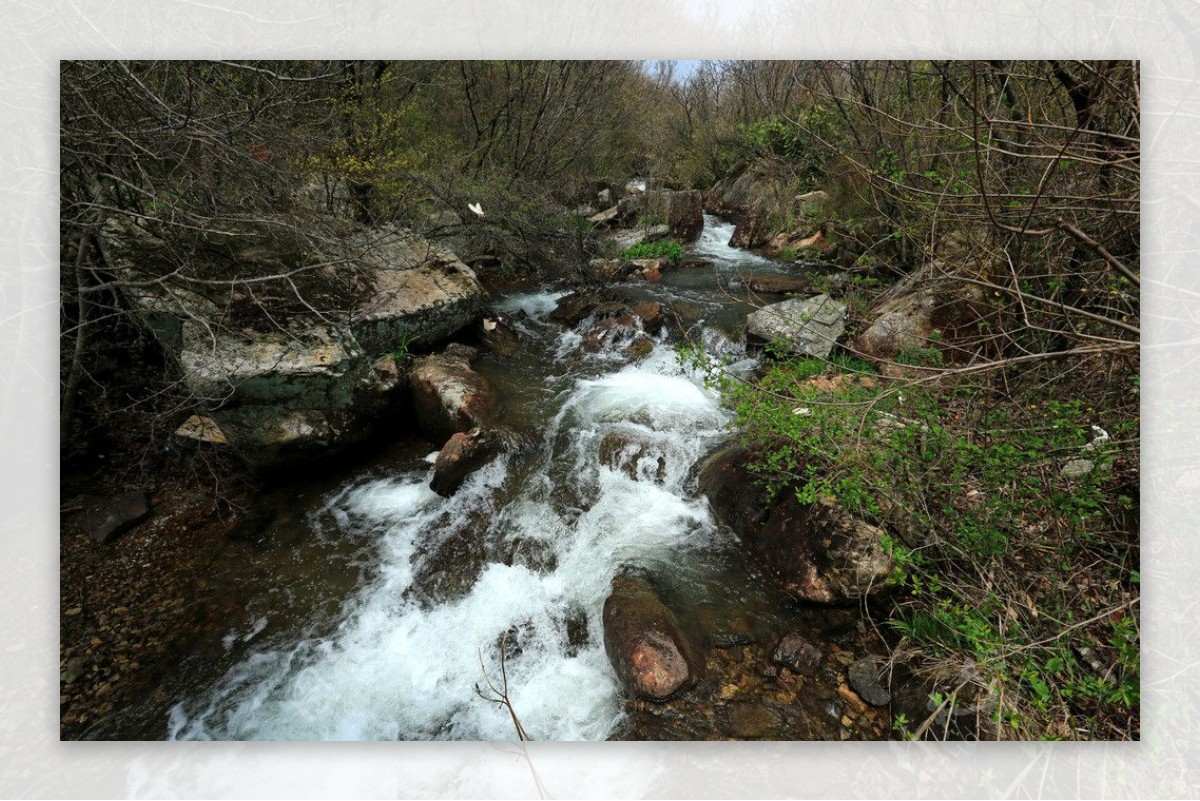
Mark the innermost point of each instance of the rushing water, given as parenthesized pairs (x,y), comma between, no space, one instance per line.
(400,602)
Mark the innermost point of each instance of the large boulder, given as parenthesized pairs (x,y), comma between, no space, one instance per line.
(930,308)
(269,436)
(652,657)
(312,366)
(683,211)
(815,552)
(636,236)
(809,326)
(419,294)
(733,197)
(294,367)
(578,306)
(276,397)
(447,395)
(766,205)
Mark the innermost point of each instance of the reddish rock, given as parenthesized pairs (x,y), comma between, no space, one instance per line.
(462,455)
(797,654)
(574,308)
(447,395)
(651,312)
(652,657)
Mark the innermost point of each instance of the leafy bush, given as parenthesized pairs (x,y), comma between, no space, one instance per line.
(1006,563)
(662,249)
(803,141)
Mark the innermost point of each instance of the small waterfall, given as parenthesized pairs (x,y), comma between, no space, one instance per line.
(605,487)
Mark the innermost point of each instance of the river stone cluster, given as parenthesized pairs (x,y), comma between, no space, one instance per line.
(314,383)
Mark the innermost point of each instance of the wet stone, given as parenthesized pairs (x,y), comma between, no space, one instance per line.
(797,654)
(535,555)
(864,678)
(577,630)
(729,639)
(748,720)
(639,348)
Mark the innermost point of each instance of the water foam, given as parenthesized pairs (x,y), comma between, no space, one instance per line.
(401,666)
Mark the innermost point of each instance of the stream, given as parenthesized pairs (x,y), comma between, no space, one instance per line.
(370,608)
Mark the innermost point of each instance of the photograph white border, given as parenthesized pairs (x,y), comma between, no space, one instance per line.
(1164,35)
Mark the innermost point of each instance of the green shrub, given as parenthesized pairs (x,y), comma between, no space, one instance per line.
(1003,563)
(662,249)
(403,348)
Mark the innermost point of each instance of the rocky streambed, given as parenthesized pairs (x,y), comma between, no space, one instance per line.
(564,536)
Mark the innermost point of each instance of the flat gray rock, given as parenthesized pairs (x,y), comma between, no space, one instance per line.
(810,326)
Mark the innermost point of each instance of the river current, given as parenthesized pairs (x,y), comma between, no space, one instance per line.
(374,609)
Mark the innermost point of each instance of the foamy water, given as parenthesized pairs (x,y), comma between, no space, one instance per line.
(606,488)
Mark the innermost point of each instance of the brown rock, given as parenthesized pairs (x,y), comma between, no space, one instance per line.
(498,335)
(462,455)
(813,241)
(748,720)
(851,698)
(775,284)
(574,308)
(642,638)
(114,518)
(683,211)
(777,243)
(815,552)
(796,653)
(910,314)
(651,313)
(447,395)
(639,348)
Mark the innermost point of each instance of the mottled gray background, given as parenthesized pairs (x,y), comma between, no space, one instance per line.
(1164,35)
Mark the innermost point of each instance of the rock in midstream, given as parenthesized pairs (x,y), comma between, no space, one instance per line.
(448,396)
(462,455)
(651,655)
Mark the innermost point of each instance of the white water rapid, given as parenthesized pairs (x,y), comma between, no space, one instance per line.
(603,487)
